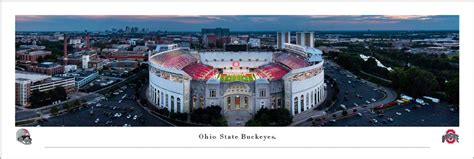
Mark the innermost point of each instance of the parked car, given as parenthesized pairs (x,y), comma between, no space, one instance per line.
(390,119)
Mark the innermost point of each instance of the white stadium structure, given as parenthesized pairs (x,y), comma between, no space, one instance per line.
(183,80)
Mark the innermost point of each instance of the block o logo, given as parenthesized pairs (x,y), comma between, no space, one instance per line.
(236,63)
(450,137)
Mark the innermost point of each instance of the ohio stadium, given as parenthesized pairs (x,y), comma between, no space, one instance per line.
(181,80)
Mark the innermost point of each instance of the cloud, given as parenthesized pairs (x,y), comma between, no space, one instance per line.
(235,22)
(263,19)
(407,17)
(29,18)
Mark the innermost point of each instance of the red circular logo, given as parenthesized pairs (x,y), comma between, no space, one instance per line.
(236,63)
(450,136)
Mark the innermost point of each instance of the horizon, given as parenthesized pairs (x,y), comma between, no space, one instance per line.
(77,31)
(242,23)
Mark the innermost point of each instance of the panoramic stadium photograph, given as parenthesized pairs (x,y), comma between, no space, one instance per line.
(243,70)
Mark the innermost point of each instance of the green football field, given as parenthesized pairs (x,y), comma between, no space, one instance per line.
(235,78)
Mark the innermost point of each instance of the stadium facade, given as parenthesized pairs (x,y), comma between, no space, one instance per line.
(181,80)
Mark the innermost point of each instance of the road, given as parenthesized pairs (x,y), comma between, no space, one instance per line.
(428,115)
(22,114)
(353,93)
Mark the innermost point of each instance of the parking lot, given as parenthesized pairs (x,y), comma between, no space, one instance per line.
(119,109)
(410,114)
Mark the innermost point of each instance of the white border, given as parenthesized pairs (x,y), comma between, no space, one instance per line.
(291,136)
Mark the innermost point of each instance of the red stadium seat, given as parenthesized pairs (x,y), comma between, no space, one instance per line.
(271,71)
(176,59)
(200,71)
(291,61)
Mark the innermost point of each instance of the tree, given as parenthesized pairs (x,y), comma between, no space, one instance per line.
(253,122)
(59,93)
(40,59)
(68,107)
(452,91)
(414,81)
(271,117)
(36,98)
(54,110)
(77,103)
(209,115)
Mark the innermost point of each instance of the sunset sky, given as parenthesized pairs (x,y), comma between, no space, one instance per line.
(237,23)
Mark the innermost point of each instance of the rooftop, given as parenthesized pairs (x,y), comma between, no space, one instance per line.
(29,77)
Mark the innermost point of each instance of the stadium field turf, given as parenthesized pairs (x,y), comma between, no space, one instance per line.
(237,77)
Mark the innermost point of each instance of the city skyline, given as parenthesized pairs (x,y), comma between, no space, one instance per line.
(237,23)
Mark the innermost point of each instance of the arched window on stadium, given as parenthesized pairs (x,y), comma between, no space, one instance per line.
(279,102)
(273,102)
(265,60)
(228,103)
(194,101)
(319,95)
(240,59)
(295,105)
(201,99)
(246,103)
(316,96)
(178,104)
(250,59)
(158,99)
(166,103)
(256,59)
(214,60)
(302,103)
(231,59)
(162,99)
(222,59)
(172,103)
(307,99)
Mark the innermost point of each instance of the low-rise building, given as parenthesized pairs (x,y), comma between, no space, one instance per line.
(84,77)
(26,83)
(49,68)
(31,56)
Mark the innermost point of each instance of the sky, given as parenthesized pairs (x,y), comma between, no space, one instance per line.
(236,23)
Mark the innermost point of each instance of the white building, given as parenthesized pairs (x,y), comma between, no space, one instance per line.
(282,38)
(254,42)
(75,41)
(292,78)
(26,83)
(70,68)
(85,61)
(305,39)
